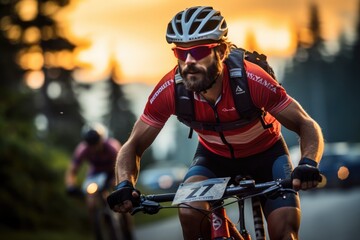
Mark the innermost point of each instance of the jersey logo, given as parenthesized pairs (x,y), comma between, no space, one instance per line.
(228,109)
(160,89)
(184,97)
(239,90)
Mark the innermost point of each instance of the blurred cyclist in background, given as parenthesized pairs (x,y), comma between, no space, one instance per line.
(99,151)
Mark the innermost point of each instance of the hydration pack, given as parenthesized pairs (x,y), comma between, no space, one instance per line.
(184,106)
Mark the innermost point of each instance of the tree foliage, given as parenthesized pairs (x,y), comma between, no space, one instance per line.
(32,191)
(40,117)
(327,85)
(32,188)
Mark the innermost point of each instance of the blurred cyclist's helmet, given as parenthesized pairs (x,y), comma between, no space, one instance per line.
(93,133)
(195,24)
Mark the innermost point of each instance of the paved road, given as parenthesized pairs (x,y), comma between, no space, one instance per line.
(325,215)
(331,215)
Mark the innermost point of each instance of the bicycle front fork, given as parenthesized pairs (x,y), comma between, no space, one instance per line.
(219,224)
(244,233)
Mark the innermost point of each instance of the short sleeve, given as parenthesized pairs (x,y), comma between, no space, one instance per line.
(161,102)
(266,92)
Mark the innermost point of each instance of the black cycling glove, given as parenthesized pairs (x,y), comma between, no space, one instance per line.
(122,192)
(307,171)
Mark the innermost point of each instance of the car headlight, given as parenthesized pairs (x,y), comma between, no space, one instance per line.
(92,188)
(165,181)
(343,173)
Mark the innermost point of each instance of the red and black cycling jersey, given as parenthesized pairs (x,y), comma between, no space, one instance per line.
(100,160)
(266,93)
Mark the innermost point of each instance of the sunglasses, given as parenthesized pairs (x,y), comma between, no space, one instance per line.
(197,52)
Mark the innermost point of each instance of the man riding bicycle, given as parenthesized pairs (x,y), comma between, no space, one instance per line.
(201,48)
(99,152)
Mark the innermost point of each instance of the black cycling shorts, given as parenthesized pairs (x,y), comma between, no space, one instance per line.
(269,165)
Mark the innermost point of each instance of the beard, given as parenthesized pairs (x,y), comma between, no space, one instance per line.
(201,79)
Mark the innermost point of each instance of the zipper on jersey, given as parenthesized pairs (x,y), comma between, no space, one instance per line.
(221,134)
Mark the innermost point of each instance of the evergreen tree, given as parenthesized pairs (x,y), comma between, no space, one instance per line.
(33,52)
(325,85)
(351,96)
(356,47)
(32,170)
(120,119)
(56,100)
(304,80)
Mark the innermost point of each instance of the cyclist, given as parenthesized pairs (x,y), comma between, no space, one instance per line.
(99,152)
(201,46)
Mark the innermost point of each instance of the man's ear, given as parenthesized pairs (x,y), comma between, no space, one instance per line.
(221,51)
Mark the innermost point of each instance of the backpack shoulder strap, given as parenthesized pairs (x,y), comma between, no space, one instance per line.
(239,84)
(240,89)
(184,107)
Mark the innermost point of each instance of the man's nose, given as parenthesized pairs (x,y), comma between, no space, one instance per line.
(189,59)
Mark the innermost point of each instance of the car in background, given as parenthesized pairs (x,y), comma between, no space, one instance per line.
(340,164)
(162,177)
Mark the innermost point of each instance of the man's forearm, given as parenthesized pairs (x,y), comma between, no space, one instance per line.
(311,141)
(127,166)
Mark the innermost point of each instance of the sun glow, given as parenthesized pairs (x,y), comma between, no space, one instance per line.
(34,79)
(132,35)
(93,61)
(261,35)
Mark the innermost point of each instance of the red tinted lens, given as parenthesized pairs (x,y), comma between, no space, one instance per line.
(198,52)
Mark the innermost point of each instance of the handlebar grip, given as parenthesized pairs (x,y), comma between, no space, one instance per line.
(121,195)
(286,183)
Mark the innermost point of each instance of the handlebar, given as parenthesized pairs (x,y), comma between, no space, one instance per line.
(150,204)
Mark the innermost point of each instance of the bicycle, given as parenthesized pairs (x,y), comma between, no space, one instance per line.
(216,191)
(107,224)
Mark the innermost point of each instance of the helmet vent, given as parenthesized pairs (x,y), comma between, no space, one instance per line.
(209,26)
(223,25)
(194,26)
(189,14)
(179,28)
(202,15)
(170,30)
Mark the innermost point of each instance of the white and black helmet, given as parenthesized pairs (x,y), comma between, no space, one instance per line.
(195,24)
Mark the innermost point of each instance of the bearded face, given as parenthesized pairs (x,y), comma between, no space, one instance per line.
(199,78)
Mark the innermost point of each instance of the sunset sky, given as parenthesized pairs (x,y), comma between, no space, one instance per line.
(132,33)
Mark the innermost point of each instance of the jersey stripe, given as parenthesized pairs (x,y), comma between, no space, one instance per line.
(237,138)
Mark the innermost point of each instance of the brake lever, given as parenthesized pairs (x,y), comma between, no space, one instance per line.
(277,190)
(148,207)
(136,210)
(287,190)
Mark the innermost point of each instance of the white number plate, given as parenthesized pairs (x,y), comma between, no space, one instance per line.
(210,189)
